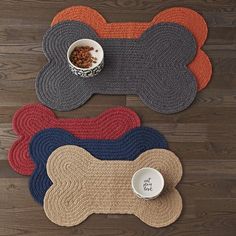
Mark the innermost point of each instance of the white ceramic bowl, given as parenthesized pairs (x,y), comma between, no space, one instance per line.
(97,52)
(147,183)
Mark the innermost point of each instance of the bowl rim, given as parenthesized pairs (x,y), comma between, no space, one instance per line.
(74,44)
(144,196)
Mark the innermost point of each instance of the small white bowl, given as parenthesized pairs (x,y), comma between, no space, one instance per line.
(97,52)
(147,183)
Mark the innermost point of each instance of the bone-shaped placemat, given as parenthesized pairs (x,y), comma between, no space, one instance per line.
(30,119)
(83,185)
(128,147)
(200,66)
(152,67)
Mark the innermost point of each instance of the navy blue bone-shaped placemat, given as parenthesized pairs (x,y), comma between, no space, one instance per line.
(128,147)
(154,67)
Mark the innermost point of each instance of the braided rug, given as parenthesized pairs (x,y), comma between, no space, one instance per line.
(30,119)
(83,185)
(128,147)
(152,67)
(200,66)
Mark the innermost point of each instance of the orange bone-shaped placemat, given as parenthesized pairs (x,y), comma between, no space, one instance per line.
(194,22)
(83,185)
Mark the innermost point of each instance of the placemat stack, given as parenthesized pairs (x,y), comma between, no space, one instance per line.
(82,166)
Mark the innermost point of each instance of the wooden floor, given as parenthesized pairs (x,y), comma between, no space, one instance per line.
(203,136)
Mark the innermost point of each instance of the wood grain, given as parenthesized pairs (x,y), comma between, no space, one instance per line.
(203,136)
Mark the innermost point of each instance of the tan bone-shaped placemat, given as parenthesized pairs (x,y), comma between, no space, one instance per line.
(83,185)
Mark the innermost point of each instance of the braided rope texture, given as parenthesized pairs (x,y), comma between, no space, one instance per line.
(30,119)
(194,22)
(128,147)
(152,67)
(83,185)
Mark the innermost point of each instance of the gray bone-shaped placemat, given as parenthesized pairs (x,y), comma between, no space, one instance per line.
(154,67)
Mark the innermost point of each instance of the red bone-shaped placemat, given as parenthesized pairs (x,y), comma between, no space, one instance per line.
(194,22)
(30,119)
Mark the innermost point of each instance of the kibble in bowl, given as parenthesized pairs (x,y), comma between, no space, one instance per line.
(85,58)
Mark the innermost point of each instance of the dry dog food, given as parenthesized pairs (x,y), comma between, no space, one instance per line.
(82,57)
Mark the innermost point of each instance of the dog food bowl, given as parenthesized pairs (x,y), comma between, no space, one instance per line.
(97,53)
(147,183)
